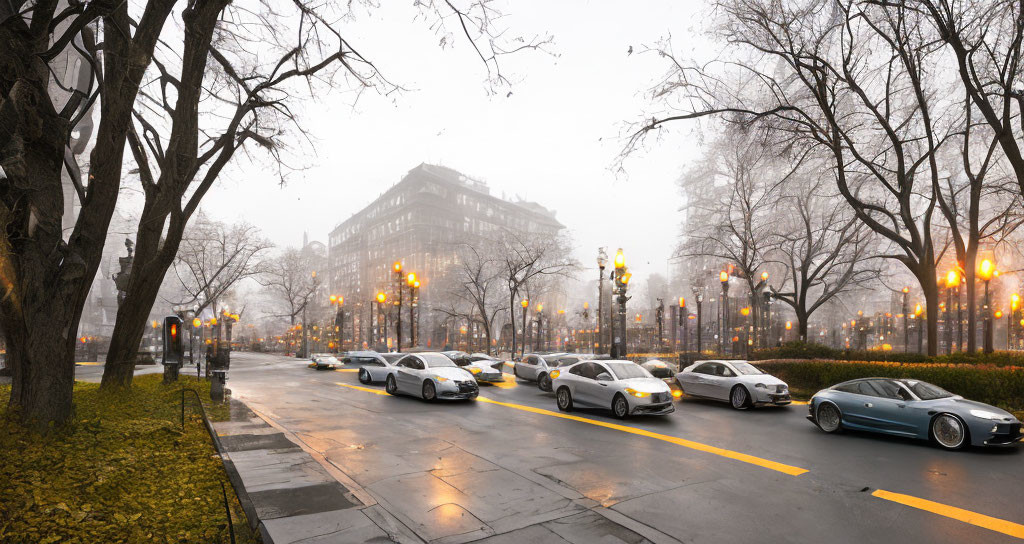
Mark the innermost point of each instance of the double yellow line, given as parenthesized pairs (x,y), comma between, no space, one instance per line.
(966,516)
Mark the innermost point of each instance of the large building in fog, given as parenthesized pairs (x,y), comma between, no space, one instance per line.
(419,221)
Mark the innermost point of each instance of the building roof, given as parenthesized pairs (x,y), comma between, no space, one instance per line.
(451,177)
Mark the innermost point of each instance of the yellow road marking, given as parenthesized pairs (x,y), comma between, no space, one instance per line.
(90,364)
(800,402)
(508,383)
(764,463)
(952,512)
(367,389)
(346,370)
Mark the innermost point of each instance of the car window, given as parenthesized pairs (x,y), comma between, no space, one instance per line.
(530,360)
(416,364)
(724,371)
(848,387)
(404,362)
(888,388)
(746,369)
(367,361)
(706,368)
(868,388)
(595,370)
(392,357)
(625,371)
(927,391)
(578,369)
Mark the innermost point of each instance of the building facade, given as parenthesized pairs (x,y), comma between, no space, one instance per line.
(419,221)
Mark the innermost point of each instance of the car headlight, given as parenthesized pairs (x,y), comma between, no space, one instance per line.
(985,414)
(637,394)
(554,374)
(761,386)
(677,394)
(440,378)
(475,370)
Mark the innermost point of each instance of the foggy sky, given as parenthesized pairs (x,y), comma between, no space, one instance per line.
(553,141)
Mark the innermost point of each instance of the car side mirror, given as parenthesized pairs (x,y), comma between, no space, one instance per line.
(604,377)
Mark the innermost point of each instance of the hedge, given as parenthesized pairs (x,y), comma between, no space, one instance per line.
(802,350)
(998,386)
(120,471)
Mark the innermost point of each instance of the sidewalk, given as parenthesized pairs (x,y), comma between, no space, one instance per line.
(289,496)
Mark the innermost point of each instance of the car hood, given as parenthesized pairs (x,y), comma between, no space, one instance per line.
(450,372)
(766,379)
(964,406)
(482,365)
(646,385)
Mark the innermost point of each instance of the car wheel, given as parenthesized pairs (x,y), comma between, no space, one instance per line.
(564,398)
(364,376)
(429,391)
(390,386)
(544,382)
(739,398)
(949,432)
(620,407)
(828,417)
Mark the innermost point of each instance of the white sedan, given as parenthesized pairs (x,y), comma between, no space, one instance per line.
(373,366)
(430,376)
(623,386)
(739,383)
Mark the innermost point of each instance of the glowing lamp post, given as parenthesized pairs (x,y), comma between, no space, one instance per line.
(985,272)
(412,283)
(723,321)
(906,323)
(622,276)
(382,322)
(526,326)
(952,282)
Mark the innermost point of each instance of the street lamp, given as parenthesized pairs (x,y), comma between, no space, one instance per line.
(382,322)
(602,261)
(952,282)
(985,272)
(540,327)
(412,283)
(526,327)
(723,277)
(1014,306)
(698,295)
(339,320)
(397,267)
(906,317)
(622,277)
(683,321)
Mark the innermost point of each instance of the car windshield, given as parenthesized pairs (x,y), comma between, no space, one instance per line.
(392,357)
(926,391)
(746,369)
(625,371)
(436,360)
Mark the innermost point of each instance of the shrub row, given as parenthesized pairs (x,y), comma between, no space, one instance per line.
(1002,387)
(803,350)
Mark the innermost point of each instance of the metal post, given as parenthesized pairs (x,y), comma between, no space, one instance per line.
(398,324)
(988,321)
(526,328)
(600,310)
(623,345)
(906,325)
(949,325)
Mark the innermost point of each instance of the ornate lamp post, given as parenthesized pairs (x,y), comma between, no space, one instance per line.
(698,295)
(985,273)
(526,326)
(723,277)
(683,315)
(382,322)
(952,282)
(1014,306)
(397,267)
(411,283)
(906,322)
(622,277)
(540,328)
(339,321)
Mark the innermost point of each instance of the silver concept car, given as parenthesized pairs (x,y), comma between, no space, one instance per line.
(739,383)
(622,386)
(373,366)
(430,376)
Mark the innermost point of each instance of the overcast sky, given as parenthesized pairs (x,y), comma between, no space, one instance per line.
(553,141)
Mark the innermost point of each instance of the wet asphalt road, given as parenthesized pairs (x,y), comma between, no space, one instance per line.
(513,470)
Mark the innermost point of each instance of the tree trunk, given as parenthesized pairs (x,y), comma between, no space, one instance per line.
(970,278)
(931,297)
(802,319)
(42,363)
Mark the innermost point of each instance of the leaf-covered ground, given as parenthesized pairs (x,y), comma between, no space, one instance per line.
(121,471)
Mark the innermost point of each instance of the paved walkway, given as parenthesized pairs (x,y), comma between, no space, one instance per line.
(291,496)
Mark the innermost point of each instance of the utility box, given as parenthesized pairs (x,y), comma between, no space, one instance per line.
(174,351)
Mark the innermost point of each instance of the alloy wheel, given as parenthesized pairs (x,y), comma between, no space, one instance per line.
(620,407)
(364,376)
(390,386)
(738,397)
(429,391)
(827,417)
(545,383)
(564,399)
(949,431)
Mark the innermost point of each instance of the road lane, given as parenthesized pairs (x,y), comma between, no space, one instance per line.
(658,483)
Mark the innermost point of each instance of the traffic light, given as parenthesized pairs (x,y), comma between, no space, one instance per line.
(173,350)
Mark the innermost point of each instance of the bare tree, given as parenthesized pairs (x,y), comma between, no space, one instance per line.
(530,257)
(213,258)
(474,290)
(845,77)
(824,249)
(292,280)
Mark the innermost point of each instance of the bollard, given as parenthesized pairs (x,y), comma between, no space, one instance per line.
(217,385)
(170,372)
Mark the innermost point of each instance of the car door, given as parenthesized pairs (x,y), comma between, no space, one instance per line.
(603,390)
(692,382)
(527,368)
(863,405)
(890,411)
(407,375)
(374,367)
(716,384)
(586,383)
